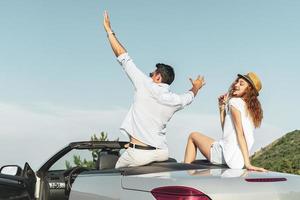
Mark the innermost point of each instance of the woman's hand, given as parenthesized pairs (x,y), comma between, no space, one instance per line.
(253,168)
(222,100)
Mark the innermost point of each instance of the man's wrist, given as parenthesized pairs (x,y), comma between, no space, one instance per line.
(110,32)
(192,93)
(194,90)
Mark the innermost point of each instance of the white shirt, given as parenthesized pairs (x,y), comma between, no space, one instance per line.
(152,108)
(231,149)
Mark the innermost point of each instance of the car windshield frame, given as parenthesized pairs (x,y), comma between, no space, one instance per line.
(105,145)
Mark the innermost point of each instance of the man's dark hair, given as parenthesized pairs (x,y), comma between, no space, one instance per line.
(167,73)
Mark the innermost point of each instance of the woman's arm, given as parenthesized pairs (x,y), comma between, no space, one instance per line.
(236,118)
(222,102)
(222,116)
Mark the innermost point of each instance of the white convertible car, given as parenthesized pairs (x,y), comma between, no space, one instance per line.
(85,170)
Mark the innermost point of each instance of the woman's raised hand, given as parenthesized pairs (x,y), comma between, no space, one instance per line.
(222,100)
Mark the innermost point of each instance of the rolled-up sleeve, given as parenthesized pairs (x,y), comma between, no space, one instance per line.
(134,74)
(180,101)
(187,98)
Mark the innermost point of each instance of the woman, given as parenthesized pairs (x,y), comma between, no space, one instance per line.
(240,114)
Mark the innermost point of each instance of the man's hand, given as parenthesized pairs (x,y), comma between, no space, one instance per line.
(106,22)
(116,46)
(197,84)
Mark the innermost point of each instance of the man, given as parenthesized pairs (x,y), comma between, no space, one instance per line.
(153,107)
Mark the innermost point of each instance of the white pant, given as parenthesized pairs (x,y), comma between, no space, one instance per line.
(136,157)
(216,154)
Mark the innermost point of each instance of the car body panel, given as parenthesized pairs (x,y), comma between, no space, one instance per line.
(217,181)
(218,184)
(97,186)
(221,184)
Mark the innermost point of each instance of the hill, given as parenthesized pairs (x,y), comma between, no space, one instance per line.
(282,155)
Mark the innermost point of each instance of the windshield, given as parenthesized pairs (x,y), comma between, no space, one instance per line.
(77,157)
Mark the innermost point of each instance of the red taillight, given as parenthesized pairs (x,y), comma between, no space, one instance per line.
(178,193)
(265,179)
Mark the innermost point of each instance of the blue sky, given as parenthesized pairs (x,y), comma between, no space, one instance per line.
(56,64)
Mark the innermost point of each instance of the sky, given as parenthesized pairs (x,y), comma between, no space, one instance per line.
(60,81)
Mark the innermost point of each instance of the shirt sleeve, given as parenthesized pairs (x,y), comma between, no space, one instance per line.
(135,75)
(237,103)
(173,99)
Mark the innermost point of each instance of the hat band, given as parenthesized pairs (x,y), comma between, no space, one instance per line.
(248,79)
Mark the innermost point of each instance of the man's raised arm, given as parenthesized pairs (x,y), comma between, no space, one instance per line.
(116,46)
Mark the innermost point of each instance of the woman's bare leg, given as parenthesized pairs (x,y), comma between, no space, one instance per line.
(200,141)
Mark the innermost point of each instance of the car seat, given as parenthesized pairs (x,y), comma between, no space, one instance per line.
(107,160)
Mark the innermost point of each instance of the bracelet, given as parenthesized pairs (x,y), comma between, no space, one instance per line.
(110,33)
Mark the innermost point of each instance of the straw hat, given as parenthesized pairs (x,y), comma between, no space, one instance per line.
(253,79)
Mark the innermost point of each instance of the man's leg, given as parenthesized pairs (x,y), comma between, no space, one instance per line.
(161,155)
(144,157)
(124,160)
(133,157)
(137,157)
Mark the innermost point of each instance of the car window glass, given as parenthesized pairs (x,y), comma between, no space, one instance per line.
(76,157)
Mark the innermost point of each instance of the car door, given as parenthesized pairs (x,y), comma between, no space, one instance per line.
(18,186)
(56,178)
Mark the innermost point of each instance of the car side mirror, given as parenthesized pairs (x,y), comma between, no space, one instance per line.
(13,170)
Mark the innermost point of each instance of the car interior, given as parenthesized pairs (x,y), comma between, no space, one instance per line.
(57,183)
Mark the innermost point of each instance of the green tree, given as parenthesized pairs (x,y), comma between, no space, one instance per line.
(95,152)
(77,161)
(282,155)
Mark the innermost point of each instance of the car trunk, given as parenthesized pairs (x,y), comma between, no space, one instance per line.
(222,184)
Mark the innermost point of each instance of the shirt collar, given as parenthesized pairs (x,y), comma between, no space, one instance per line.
(164,86)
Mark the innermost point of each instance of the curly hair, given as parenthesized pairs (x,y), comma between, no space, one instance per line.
(253,105)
